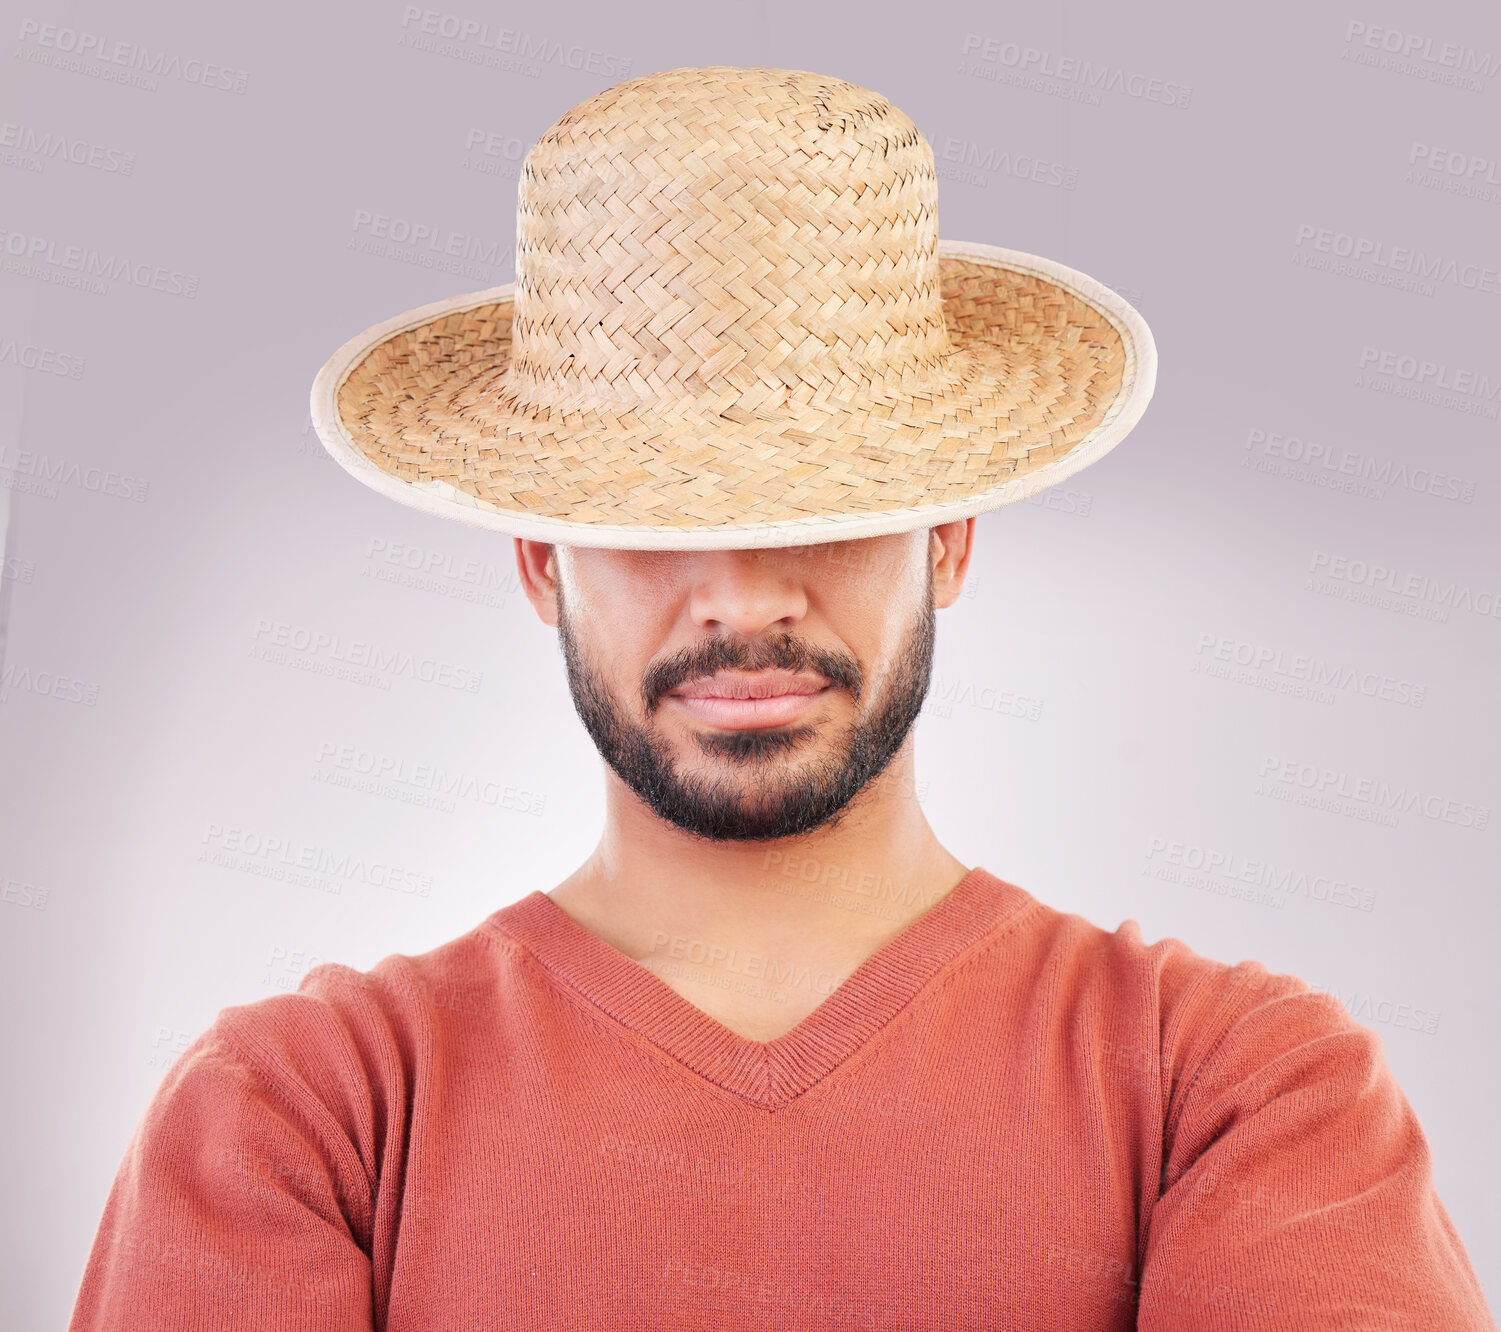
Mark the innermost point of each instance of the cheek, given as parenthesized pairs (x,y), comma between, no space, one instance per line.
(874,621)
(622,636)
(624,600)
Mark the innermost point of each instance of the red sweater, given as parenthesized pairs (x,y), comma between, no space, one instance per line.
(1004,1118)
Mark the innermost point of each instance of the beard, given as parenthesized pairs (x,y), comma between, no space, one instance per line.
(754,797)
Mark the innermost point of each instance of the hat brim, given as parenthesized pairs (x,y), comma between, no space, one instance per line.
(1049,370)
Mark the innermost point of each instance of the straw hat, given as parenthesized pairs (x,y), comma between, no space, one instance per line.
(733,324)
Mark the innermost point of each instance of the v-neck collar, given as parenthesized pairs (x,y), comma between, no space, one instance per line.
(766,1073)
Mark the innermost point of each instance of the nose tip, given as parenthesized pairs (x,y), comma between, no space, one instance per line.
(746,593)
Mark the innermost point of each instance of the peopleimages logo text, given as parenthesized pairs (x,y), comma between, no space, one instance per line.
(1399,258)
(1436,374)
(78,45)
(26,141)
(1032,60)
(1450,594)
(528,46)
(37,251)
(277,636)
(1418,46)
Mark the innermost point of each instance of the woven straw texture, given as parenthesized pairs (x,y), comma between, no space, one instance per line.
(731,312)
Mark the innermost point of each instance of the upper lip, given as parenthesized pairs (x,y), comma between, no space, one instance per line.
(754,684)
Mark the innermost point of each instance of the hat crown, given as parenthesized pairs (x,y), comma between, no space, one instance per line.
(724,239)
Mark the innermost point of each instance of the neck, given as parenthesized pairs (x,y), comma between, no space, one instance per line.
(820,903)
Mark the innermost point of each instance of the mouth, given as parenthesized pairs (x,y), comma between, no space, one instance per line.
(739,699)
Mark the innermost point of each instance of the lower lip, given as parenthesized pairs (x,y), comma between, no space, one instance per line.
(739,713)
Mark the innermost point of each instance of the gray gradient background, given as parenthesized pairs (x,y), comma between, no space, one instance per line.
(1074,743)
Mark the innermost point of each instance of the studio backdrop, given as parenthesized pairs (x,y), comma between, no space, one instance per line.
(1235,682)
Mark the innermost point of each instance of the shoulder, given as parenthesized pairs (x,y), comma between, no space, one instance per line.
(1233,1037)
(1195,1001)
(349,1037)
(1217,1041)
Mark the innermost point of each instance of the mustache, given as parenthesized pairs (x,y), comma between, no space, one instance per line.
(731,652)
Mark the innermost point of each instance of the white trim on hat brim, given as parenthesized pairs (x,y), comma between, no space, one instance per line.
(445,501)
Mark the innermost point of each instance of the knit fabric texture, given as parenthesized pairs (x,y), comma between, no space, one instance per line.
(1005,1117)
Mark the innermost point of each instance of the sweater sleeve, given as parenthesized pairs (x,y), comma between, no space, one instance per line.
(240,1204)
(1297,1188)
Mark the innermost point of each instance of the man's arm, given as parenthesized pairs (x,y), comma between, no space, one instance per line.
(240,1204)
(1297,1183)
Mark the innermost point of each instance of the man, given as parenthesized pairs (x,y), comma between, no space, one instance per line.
(772,1056)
